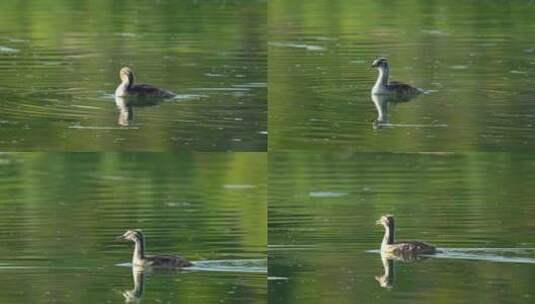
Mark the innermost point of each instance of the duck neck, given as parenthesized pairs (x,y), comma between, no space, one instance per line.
(388,238)
(139,251)
(127,83)
(382,79)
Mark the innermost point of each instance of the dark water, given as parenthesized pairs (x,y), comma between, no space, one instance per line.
(60,63)
(477,59)
(62,212)
(477,208)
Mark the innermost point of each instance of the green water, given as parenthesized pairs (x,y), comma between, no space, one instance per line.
(476,58)
(477,208)
(62,212)
(60,62)
(297,224)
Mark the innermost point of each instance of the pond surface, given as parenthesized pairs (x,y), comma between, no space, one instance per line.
(61,214)
(476,208)
(476,59)
(60,63)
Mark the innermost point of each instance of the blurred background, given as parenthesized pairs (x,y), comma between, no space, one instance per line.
(61,213)
(60,63)
(477,208)
(476,59)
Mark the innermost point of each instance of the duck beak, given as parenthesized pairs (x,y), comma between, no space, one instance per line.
(120,238)
(378,222)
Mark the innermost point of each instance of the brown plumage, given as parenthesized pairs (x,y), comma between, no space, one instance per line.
(400,247)
(402,88)
(166,261)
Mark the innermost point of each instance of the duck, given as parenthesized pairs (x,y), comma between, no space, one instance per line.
(139,259)
(402,248)
(128,88)
(385,87)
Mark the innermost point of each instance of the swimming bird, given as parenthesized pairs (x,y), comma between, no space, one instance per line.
(390,247)
(129,88)
(139,258)
(383,86)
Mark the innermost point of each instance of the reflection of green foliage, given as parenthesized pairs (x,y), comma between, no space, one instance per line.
(390,183)
(450,200)
(67,208)
(70,53)
(90,28)
(319,99)
(140,185)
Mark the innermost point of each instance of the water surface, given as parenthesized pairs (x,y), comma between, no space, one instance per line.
(60,63)
(476,58)
(61,214)
(476,208)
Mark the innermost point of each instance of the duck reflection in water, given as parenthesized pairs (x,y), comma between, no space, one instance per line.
(126,108)
(143,263)
(134,295)
(386,280)
(382,102)
(402,251)
(140,95)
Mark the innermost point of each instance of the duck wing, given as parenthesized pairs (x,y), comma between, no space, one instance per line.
(403,88)
(415,247)
(168,261)
(150,90)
